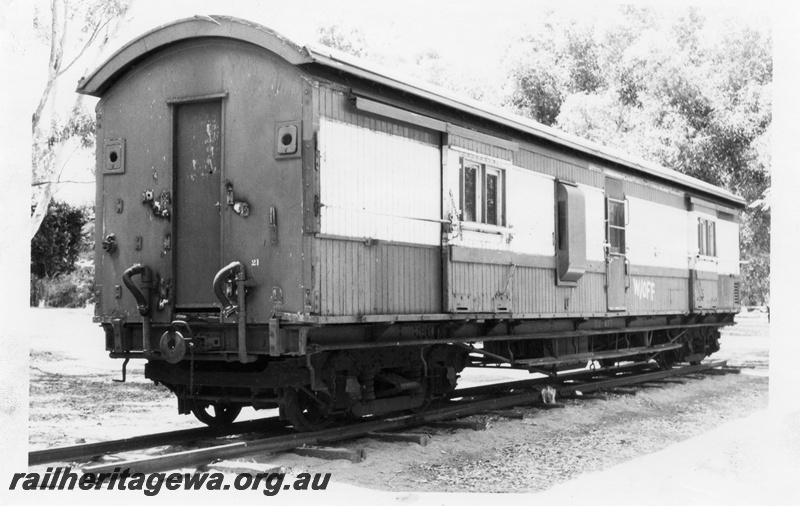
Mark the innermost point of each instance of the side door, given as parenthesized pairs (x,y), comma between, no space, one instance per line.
(704,265)
(616,260)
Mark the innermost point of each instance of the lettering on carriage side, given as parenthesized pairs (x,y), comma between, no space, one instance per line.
(644,289)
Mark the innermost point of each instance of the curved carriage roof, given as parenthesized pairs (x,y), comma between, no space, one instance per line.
(120,62)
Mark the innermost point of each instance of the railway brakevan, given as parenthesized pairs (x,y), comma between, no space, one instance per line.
(287,226)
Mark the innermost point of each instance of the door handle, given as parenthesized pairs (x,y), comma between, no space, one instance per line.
(627,273)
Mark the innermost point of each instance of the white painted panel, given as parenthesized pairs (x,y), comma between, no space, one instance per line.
(530,205)
(595,222)
(656,235)
(728,247)
(451,184)
(378,185)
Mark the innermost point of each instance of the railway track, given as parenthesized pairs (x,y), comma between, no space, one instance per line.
(88,451)
(463,402)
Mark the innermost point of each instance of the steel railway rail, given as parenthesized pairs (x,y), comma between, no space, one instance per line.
(464,402)
(88,451)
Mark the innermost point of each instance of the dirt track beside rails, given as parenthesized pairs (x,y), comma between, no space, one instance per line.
(73,400)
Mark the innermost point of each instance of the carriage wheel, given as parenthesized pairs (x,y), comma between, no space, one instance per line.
(216,415)
(304,412)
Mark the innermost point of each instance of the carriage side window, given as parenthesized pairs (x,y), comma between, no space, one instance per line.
(706,237)
(494,195)
(482,192)
(616,226)
(469,200)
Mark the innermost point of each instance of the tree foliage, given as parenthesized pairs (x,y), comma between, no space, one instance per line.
(669,89)
(343,38)
(58,242)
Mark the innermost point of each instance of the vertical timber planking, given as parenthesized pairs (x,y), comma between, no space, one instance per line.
(369,258)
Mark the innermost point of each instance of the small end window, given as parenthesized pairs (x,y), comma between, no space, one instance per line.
(706,237)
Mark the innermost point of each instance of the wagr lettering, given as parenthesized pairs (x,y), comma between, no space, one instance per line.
(645,290)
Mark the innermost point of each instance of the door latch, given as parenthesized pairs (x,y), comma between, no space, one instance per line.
(109,244)
(273,225)
(160,205)
(240,207)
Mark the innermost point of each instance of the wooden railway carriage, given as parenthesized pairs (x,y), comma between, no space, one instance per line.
(285,226)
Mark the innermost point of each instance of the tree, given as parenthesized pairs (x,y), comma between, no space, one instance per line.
(539,92)
(57,243)
(539,76)
(668,89)
(343,38)
(70,29)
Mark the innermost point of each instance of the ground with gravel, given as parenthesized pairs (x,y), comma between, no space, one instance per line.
(73,399)
(557,445)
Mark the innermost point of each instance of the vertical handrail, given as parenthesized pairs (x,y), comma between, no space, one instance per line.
(142,299)
(228,307)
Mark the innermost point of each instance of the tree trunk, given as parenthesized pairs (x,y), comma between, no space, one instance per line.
(54,66)
(40,211)
(46,190)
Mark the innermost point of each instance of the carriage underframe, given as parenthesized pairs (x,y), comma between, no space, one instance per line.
(355,370)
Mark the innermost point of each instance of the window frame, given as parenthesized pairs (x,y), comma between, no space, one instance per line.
(622,248)
(481,197)
(477,203)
